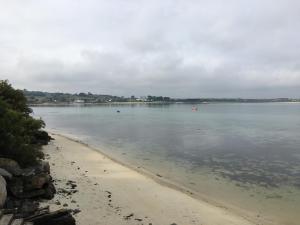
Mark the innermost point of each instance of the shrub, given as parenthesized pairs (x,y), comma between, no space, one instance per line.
(17,127)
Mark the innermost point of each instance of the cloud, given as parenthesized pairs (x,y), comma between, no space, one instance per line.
(175,48)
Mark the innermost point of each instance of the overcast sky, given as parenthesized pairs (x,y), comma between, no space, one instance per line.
(177,48)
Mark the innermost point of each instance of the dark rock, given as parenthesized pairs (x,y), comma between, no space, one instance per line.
(60,217)
(21,208)
(42,167)
(4,173)
(3,192)
(129,216)
(75,211)
(37,181)
(57,202)
(10,166)
(50,191)
(42,138)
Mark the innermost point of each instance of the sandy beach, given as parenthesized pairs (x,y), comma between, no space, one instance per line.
(109,193)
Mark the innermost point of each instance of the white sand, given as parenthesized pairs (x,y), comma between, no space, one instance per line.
(131,192)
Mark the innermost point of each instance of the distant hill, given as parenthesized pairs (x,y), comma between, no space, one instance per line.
(39,97)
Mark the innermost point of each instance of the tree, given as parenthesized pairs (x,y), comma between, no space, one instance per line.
(18,130)
(14,98)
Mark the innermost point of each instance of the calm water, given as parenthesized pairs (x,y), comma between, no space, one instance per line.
(244,155)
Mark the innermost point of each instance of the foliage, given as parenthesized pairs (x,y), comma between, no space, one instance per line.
(158,98)
(14,98)
(17,128)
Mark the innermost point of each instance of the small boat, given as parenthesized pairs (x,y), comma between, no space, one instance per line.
(118,111)
(194,109)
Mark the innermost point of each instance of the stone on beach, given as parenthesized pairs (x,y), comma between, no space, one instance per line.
(4,173)
(36,185)
(3,192)
(11,166)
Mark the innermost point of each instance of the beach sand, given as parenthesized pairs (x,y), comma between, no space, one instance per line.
(112,194)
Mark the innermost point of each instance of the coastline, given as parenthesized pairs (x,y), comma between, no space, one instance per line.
(151,199)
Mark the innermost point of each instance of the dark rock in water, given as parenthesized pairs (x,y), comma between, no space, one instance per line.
(10,166)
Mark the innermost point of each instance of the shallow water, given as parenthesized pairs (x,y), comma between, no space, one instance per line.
(244,155)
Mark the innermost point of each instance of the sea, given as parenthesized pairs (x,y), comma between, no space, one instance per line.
(241,156)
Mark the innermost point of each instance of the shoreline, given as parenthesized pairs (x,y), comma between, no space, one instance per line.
(161,180)
(149,179)
(66,104)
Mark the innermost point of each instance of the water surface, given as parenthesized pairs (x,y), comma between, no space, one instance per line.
(246,155)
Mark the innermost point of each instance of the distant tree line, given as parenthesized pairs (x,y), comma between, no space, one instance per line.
(158,99)
(38,97)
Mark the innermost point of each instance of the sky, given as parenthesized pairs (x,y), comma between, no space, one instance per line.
(176,48)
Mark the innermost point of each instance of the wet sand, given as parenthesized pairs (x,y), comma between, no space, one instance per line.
(107,192)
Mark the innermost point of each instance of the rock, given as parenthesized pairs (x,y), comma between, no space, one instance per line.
(60,217)
(129,216)
(57,202)
(50,191)
(41,137)
(39,185)
(75,211)
(4,173)
(3,192)
(43,167)
(37,181)
(11,166)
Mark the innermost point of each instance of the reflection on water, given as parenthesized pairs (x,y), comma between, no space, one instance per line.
(253,148)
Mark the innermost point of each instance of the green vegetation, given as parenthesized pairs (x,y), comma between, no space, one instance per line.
(38,97)
(19,132)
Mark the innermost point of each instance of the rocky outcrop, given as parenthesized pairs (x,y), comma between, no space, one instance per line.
(11,166)
(3,192)
(5,174)
(42,167)
(36,185)
(60,217)
(41,137)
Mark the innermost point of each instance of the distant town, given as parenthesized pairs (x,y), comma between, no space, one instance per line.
(40,98)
